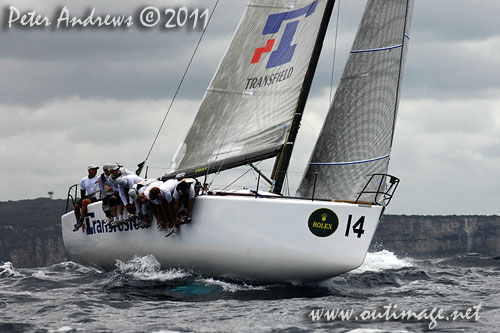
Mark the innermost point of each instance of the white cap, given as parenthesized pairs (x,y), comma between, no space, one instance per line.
(114,166)
(132,193)
(92,166)
(121,181)
(107,166)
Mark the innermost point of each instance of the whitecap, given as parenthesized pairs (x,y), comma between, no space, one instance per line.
(381,261)
(63,329)
(232,287)
(73,266)
(7,270)
(147,268)
(39,275)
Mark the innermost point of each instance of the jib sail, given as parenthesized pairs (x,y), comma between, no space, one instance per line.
(356,138)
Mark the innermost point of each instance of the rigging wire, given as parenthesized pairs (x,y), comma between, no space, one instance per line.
(236,178)
(182,80)
(334,51)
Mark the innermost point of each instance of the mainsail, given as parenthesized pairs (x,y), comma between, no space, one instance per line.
(356,138)
(248,108)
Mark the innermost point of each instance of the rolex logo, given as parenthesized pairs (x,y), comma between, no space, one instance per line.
(323,222)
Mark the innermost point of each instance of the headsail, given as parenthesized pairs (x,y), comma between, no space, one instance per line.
(356,138)
(248,108)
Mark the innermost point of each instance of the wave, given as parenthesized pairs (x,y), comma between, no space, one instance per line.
(382,261)
(70,266)
(7,270)
(233,287)
(147,268)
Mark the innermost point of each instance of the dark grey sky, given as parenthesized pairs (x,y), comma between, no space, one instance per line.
(73,97)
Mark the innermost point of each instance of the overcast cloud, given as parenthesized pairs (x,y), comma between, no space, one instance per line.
(78,96)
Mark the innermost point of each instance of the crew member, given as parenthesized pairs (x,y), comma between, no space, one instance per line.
(154,203)
(117,206)
(162,197)
(141,202)
(125,183)
(89,190)
(184,195)
(106,207)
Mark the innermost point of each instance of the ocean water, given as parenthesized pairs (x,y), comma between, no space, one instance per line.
(386,294)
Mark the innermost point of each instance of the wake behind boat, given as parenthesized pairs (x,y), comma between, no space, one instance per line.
(251,112)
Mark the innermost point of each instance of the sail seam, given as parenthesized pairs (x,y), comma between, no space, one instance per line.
(352,162)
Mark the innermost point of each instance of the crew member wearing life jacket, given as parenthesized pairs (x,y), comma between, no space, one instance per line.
(89,191)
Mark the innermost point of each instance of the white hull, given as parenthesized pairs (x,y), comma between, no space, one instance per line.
(264,239)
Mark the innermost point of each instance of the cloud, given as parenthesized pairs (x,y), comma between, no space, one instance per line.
(79,96)
(48,148)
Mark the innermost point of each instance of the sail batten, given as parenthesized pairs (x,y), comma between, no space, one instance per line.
(359,127)
(250,103)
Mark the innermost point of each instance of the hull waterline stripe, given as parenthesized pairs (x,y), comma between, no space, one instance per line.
(353,162)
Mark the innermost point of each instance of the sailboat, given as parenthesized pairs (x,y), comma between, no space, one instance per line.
(251,111)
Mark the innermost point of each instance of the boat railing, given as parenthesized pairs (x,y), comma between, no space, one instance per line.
(380,187)
(379,190)
(71,196)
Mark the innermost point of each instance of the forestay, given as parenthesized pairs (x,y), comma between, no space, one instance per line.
(356,138)
(247,109)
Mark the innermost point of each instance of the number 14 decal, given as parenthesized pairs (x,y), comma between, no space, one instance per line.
(357,228)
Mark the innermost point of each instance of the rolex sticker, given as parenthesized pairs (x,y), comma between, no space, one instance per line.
(323,222)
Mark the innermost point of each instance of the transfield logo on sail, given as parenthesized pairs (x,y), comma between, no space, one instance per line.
(283,53)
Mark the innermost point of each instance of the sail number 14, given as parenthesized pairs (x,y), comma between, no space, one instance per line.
(357,227)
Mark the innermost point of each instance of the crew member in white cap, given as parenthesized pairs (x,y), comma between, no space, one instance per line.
(89,191)
(106,191)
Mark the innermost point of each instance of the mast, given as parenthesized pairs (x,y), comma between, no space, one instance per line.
(283,159)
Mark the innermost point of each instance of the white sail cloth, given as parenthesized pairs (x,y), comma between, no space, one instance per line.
(356,138)
(250,102)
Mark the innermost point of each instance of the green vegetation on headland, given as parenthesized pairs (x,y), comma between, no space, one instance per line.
(30,234)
